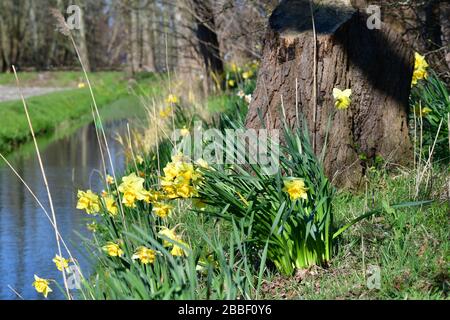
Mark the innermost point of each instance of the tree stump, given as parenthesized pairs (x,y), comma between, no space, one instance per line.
(375,64)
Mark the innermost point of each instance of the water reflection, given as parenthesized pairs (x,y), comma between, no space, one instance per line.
(27,240)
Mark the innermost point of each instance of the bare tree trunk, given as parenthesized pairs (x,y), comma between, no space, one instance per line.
(207,41)
(134,38)
(34,33)
(81,35)
(3,55)
(374,64)
(148,59)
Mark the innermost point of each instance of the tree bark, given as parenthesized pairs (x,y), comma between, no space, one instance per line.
(374,64)
(445,29)
(148,60)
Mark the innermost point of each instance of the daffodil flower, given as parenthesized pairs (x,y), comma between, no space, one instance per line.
(42,285)
(61,262)
(162,210)
(172,99)
(247,75)
(88,201)
(111,205)
(109,179)
(184,132)
(139,159)
(420,68)
(113,249)
(144,255)
(422,112)
(296,188)
(342,98)
(132,188)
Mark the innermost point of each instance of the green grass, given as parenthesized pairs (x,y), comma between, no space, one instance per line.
(410,246)
(51,110)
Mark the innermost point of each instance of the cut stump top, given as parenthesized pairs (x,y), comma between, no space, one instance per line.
(292,17)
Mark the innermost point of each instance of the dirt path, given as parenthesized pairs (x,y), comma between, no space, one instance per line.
(8,93)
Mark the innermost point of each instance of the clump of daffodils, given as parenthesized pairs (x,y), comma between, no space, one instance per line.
(88,201)
(177,247)
(342,98)
(420,68)
(295,188)
(180,179)
(42,285)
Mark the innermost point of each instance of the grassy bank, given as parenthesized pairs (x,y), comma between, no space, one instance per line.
(172,227)
(50,110)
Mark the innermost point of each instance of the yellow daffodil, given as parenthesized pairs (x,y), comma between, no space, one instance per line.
(296,188)
(154,196)
(168,233)
(144,255)
(61,262)
(247,75)
(422,112)
(92,226)
(111,205)
(420,68)
(162,210)
(231,83)
(109,179)
(172,99)
(342,98)
(88,201)
(234,67)
(178,248)
(139,159)
(81,85)
(166,112)
(42,285)
(113,249)
(132,188)
(184,132)
(179,251)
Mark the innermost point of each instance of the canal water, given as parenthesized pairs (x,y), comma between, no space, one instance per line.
(27,240)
